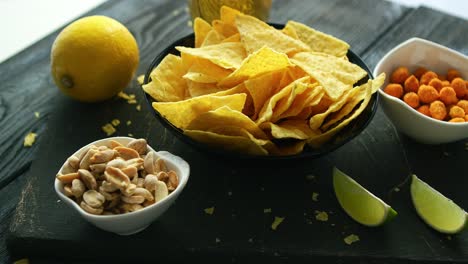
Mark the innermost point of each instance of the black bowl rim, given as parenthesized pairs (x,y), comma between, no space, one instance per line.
(306,153)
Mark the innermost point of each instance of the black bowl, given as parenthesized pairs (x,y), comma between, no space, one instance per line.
(345,135)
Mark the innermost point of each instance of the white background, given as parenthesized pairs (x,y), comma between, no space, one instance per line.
(23,22)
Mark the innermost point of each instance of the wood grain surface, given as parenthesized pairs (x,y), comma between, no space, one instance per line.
(239,231)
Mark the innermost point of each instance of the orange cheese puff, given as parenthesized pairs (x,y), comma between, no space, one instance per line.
(436,83)
(457,120)
(456,111)
(399,75)
(411,84)
(445,83)
(463,104)
(448,96)
(427,77)
(452,74)
(412,99)
(424,109)
(394,89)
(459,85)
(466,118)
(419,72)
(438,110)
(427,94)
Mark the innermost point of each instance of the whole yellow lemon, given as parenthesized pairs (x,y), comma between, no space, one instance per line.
(94,58)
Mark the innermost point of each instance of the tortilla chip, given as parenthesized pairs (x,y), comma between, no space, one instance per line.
(167,84)
(297,129)
(198,89)
(233,38)
(263,61)
(255,34)
(226,117)
(181,113)
(204,71)
(228,15)
(263,87)
(201,29)
(334,74)
(226,55)
(302,100)
(212,38)
(318,141)
(318,41)
(224,29)
(238,144)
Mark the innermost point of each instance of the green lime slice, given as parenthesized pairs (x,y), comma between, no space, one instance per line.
(435,209)
(360,204)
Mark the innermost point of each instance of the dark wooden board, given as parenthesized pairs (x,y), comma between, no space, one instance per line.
(238,189)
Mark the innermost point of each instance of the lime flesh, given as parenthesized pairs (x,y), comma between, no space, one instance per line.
(435,209)
(360,204)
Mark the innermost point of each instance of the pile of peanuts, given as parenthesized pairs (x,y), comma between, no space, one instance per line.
(443,97)
(116,179)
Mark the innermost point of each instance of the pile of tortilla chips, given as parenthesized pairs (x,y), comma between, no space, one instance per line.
(251,88)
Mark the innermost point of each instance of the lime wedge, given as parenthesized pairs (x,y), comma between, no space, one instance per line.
(435,209)
(361,205)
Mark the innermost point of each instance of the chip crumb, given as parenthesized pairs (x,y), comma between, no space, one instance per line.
(141,79)
(109,129)
(129,122)
(115,122)
(229,193)
(277,222)
(250,240)
(138,107)
(175,12)
(310,177)
(276,254)
(218,240)
(267,210)
(262,189)
(130,134)
(396,189)
(129,97)
(58,201)
(29,139)
(132,101)
(446,153)
(315,197)
(351,239)
(209,210)
(189,23)
(22,261)
(123,95)
(332,224)
(321,216)
(449,238)
(37,114)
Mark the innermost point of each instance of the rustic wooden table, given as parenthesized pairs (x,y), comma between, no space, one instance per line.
(45,230)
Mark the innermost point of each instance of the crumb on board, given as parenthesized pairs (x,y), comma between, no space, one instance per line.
(278,220)
(138,107)
(396,189)
(37,114)
(109,129)
(175,12)
(130,134)
(189,23)
(22,261)
(29,139)
(321,216)
(130,98)
(115,122)
(250,240)
(267,210)
(217,240)
(209,210)
(310,177)
(129,122)
(315,197)
(351,239)
(141,79)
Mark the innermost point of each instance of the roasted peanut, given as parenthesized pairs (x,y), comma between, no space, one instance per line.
(93,198)
(139,145)
(160,165)
(67,190)
(131,172)
(150,182)
(116,177)
(149,162)
(163,176)
(113,144)
(108,187)
(88,179)
(117,163)
(86,160)
(134,199)
(173,181)
(137,163)
(78,188)
(68,178)
(91,210)
(102,156)
(74,162)
(129,190)
(109,196)
(143,192)
(127,153)
(127,207)
(98,168)
(161,191)
(140,182)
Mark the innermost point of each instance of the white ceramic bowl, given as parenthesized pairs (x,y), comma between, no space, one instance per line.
(133,222)
(412,54)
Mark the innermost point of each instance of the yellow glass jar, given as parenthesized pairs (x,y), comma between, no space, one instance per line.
(209,9)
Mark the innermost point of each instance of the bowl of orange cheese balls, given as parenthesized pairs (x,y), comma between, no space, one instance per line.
(426,94)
